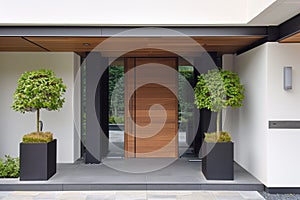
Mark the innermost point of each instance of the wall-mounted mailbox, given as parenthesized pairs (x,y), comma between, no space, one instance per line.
(284,124)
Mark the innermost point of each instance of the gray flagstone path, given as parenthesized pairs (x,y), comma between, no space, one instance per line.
(132,195)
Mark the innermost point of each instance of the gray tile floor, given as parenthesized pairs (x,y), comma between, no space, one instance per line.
(133,195)
(181,175)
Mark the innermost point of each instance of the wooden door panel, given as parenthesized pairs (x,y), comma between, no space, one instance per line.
(145,104)
(129,104)
(155,131)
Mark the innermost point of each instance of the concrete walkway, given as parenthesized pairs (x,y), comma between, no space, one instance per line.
(133,195)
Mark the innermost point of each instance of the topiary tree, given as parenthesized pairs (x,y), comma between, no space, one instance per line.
(219,89)
(36,90)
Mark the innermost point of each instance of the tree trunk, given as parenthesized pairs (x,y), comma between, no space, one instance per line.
(218,121)
(218,125)
(38,120)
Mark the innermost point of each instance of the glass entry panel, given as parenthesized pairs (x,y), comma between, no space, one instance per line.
(151,107)
(116,110)
(186,133)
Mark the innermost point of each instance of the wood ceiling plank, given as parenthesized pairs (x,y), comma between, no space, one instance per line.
(228,40)
(69,44)
(292,39)
(147,53)
(17,44)
(181,45)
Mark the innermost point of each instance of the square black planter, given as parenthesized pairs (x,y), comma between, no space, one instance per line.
(217,163)
(37,161)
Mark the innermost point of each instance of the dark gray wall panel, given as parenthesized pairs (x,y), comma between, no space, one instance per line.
(111,31)
(95,67)
(50,31)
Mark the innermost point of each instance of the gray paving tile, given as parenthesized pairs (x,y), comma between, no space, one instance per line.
(173,187)
(30,187)
(9,180)
(65,166)
(203,196)
(4,194)
(221,195)
(96,179)
(101,196)
(134,195)
(181,195)
(166,195)
(131,195)
(46,195)
(43,198)
(172,179)
(250,195)
(21,195)
(233,187)
(18,198)
(79,187)
(71,195)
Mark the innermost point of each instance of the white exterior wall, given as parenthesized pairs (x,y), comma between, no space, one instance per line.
(283,144)
(271,155)
(14,124)
(248,124)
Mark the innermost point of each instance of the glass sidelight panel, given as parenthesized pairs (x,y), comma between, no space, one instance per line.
(116,109)
(185,110)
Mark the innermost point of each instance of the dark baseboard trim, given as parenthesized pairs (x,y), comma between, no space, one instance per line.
(282,190)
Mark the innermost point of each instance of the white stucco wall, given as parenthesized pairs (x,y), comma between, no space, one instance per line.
(283,144)
(14,125)
(271,155)
(248,124)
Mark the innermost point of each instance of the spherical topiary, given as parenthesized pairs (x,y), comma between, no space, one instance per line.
(219,89)
(37,90)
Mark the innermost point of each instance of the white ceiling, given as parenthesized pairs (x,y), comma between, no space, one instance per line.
(147,12)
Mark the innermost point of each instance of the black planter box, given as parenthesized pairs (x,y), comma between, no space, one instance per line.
(37,161)
(218,162)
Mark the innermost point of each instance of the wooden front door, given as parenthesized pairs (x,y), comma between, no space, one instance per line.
(151,107)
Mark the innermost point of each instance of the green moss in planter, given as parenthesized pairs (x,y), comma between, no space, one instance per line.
(9,167)
(217,137)
(38,137)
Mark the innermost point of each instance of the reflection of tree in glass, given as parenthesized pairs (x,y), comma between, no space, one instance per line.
(116,94)
(185,104)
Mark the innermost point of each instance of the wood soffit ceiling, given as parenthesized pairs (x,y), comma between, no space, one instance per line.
(292,39)
(222,45)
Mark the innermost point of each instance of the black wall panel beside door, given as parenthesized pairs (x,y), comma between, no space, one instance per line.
(96,108)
